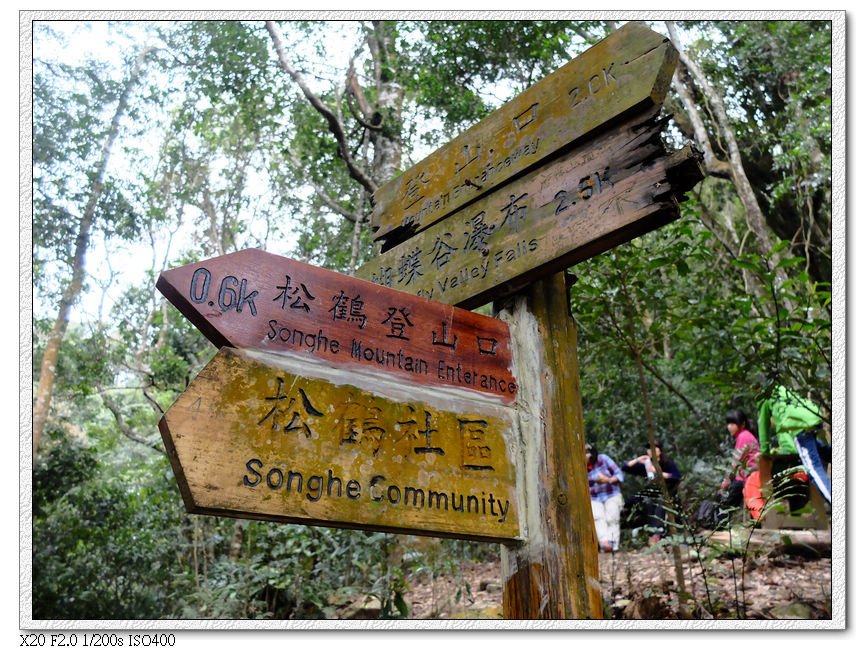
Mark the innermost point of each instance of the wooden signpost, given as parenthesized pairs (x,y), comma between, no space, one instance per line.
(279,437)
(605,180)
(598,195)
(344,403)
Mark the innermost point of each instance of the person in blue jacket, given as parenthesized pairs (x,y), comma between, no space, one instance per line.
(605,479)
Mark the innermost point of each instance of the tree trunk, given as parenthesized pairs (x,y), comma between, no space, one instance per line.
(48,367)
(735,169)
(355,234)
(387,158)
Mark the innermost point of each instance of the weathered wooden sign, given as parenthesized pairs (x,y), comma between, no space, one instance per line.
(256,300)
(339,402)
(629,70)
(598,195)
(259,435)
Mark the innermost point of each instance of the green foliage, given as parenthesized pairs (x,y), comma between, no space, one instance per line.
(704,351)
(126,221)
(471,57)
(325,241)
(644,296)
(713,323)
(791,337)
(61,468)
(231,67)
(73,106)
(107,548)
(87,360)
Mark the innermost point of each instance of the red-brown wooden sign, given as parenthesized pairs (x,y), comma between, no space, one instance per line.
(256,300)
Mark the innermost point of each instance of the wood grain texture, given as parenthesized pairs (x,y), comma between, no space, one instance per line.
(629,70)
(553,573)
(256,300)
(597,196)
(265,436)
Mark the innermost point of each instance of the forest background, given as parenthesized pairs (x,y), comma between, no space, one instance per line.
(202,139)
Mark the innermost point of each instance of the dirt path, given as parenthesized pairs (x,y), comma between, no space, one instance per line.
(782,580)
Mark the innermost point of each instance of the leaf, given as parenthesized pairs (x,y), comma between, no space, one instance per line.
(657,263)
(790,261)
(748,265)
(780,246)
(401,604)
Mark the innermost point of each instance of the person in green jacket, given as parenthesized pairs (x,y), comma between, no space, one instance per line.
(796,422)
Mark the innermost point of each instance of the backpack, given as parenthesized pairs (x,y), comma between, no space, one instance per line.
(707,515)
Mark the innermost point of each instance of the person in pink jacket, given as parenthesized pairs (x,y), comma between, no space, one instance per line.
(715,513)
(746,450)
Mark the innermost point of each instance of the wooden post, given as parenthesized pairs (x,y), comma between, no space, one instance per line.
(554,573)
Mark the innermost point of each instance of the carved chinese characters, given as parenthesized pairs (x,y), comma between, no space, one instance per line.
(256,300)
(264,436)
(594,197)
(630,70)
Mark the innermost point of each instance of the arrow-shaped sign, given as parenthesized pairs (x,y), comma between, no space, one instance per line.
(267,436)
(628,71)
(256,300)
(596,196)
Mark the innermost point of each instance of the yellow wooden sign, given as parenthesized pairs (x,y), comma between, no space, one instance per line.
(274,437)
(629,70)
(597,196)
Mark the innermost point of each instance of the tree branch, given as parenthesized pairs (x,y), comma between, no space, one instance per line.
(331,203)
(714,165)
(333,123)
(124,427)
(630,342)
(754,216)
(657,375)
(366,113)
(156,405)
(326,198)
